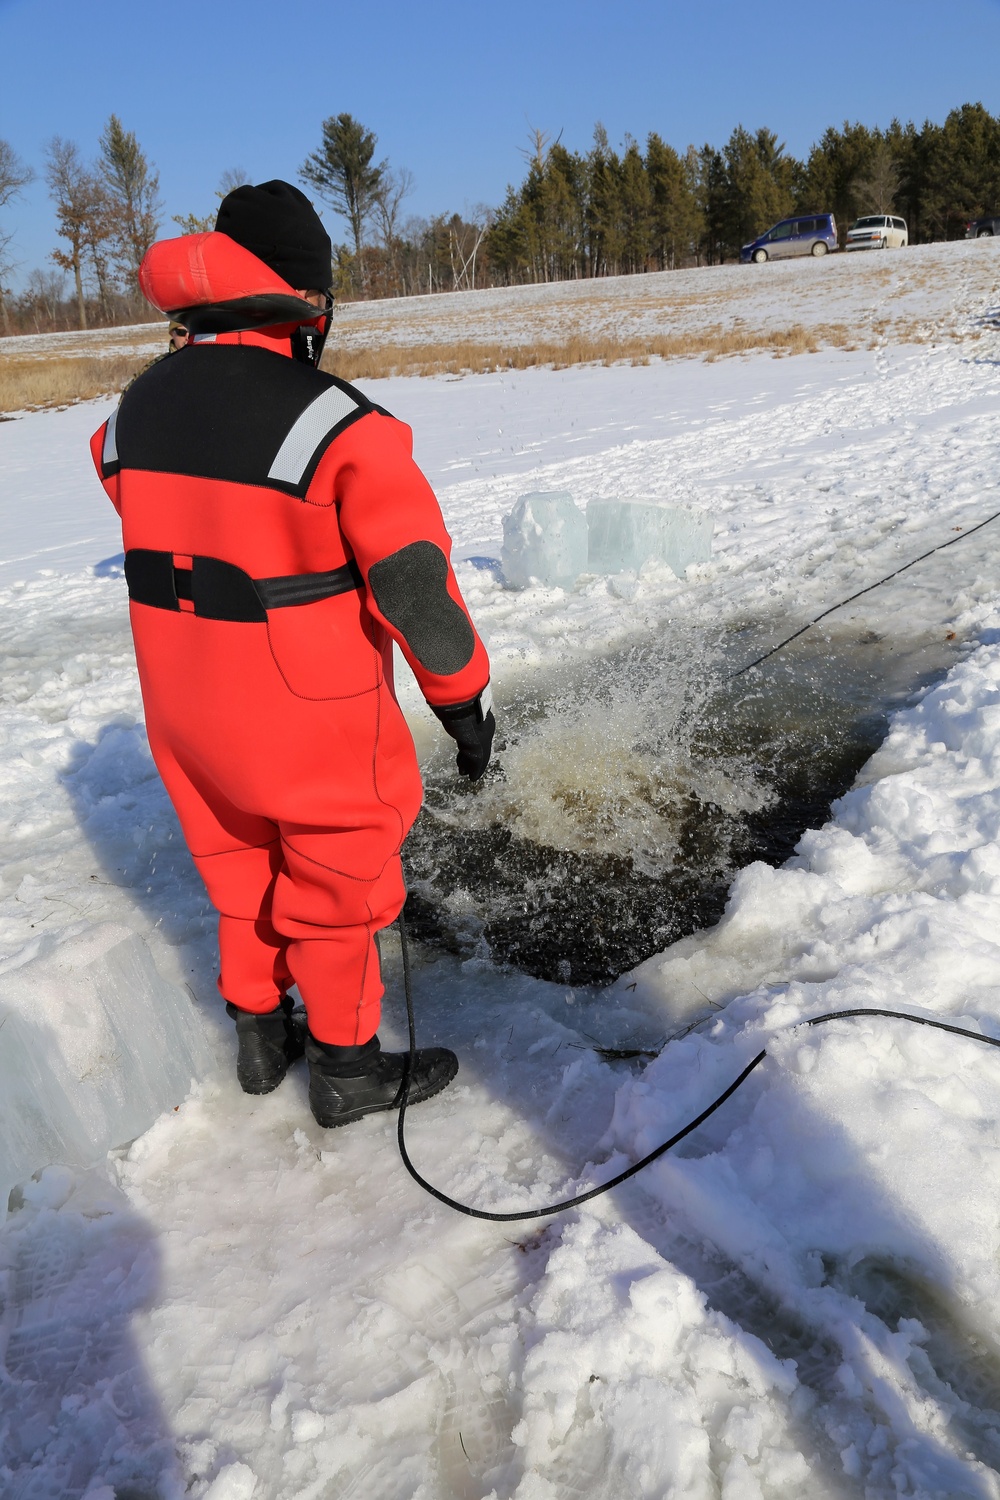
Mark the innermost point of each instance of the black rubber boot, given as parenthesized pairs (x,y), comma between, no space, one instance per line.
(348,1082)
(267,1045)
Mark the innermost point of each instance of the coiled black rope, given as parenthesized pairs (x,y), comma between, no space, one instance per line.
(616,1181)
(877,585)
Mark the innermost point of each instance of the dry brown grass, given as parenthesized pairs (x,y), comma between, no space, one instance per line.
(479,358)
(30,381)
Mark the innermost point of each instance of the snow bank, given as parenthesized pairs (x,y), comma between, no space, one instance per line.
(636,1388)
(915,288)
(95,1046)
(854,1179)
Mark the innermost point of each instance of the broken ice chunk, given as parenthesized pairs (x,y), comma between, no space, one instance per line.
(94,1045)
(545,539)
(624,534)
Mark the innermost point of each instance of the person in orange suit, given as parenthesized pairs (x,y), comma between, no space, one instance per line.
(278,539)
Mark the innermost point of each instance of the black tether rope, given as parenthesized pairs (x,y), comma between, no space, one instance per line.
(605,1187)
(939,548)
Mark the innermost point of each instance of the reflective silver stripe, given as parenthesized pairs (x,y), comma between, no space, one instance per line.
(109,453)
(309,430)
(486,700)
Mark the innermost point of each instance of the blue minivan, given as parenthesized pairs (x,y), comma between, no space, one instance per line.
(808,234)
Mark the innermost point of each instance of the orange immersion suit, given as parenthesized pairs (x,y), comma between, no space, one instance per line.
(278,539)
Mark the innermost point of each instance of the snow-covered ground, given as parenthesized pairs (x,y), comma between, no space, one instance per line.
(138,338)
(803,1299)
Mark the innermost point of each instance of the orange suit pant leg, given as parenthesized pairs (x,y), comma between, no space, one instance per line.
(330,918)
(238,856)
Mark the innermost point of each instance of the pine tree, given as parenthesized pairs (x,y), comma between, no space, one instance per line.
(675,222)
(505,242)
(637,209)
(907,153)
(564,210)
(605,209)
(343,174)
(962,171)
(133,188)
(758,186)
(709,183)
(835,172)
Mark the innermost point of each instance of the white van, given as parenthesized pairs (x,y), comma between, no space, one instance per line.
(878,232)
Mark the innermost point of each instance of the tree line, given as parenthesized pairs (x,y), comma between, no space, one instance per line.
(606,212)
(575,214)
(107,216)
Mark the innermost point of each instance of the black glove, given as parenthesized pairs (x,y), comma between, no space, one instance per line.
(471,726)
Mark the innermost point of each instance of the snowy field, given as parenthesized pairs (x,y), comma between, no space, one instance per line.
(803,1299)
(931,291)
(930,287)
(140,338)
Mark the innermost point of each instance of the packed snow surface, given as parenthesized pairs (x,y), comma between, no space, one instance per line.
(803,1299)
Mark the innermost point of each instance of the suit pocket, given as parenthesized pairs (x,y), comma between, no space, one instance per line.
(326,649)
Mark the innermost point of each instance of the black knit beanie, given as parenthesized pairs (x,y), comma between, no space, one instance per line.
(277,223)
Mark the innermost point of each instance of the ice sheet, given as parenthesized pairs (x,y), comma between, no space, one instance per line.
(811,1283)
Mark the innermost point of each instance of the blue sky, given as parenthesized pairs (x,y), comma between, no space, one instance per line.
(450,89)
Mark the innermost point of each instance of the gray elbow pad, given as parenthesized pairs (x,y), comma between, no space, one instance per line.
(410,588)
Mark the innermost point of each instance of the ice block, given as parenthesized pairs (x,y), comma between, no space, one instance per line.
(94,1045)
(545,540)
(624,534)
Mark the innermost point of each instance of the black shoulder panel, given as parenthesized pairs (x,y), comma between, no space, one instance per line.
(233,412)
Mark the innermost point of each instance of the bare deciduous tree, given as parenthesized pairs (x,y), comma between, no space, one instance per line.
(876,188)
(14,175)
(396,184)
(82,214)
(466,243)
(232,178)
(45,290)
(539,148)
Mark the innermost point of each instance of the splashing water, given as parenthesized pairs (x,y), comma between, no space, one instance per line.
(610,766)
(630,791)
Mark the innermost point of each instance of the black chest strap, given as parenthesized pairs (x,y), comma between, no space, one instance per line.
(220,591)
